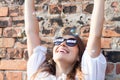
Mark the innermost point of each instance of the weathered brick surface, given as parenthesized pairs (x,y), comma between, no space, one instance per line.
(112,11)
(13,65)
(113,71)
(16,11)
(110,68)
(68,8)
(12,32)
(14,75)
(118,68)
(3,11)
(87,7)
(85,31)
(6,42)
(5,22)
(3,52)
(25,54)
(55,9)
(116,43)
(111,32)
(18,21)
(53,15)
(106,42)
(20,45)
(15,53)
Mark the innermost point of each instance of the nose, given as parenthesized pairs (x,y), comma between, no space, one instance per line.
(63,43)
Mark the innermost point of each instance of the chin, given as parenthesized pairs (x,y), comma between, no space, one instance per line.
(59,59)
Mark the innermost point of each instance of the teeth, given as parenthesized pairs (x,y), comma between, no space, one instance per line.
(64,51)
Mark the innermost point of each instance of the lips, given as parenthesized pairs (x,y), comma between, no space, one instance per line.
(62,50)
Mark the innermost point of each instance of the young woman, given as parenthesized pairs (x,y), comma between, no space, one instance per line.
(67,63)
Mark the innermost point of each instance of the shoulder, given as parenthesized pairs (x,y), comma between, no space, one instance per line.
(100,58)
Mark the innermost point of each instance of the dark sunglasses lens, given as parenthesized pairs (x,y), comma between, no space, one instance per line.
(71,42)
(58,41)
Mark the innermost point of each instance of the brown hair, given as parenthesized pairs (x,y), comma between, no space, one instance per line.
(49,65)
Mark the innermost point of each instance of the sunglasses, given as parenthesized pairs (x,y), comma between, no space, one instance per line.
(69,42)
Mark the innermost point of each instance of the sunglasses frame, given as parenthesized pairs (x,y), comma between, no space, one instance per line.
(71,42)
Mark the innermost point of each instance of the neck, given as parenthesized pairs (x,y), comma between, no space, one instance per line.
(63,68)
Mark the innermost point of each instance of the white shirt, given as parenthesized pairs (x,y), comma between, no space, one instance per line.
(92,68)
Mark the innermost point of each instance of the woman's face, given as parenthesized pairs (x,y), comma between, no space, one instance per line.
(66,52)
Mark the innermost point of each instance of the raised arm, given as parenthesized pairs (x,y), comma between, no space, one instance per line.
(97,19)
(31,26)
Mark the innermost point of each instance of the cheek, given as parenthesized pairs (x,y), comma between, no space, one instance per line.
(74,53)
(54,49)
(74,50)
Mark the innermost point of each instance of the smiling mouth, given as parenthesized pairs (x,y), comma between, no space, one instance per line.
(62,51)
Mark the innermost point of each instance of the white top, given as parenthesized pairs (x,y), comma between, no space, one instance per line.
(92,68)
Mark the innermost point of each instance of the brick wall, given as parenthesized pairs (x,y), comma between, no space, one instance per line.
(54,15)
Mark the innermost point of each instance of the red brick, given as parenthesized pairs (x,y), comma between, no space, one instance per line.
(5,21)
(47,40)
(12,32)
(118,69)
(55,9)
(3,11)
(18,18)
(106,42)
(111,32)
(16,11)
(110,67)
(5,18)
(0,32)
(20,45)
(14,75)
(42,8)
(15,53)
(1,76)
(87,7)
(18,21)
(3,52)
(25,54)
(12,65)
(6,42)
(21,11)
(69,8)
(84,32)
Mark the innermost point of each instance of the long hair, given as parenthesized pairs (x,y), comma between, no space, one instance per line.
(49,64)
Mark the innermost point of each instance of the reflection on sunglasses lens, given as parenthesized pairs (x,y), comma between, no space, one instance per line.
(69,42)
